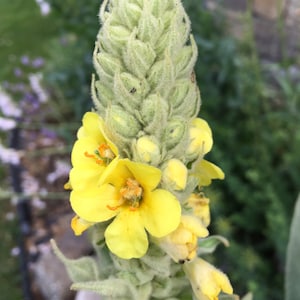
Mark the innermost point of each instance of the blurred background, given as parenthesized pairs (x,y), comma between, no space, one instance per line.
(248,71)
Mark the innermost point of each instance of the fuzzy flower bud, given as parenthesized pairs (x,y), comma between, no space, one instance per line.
(122,123)
(147,150)
(175,174)
(200,138)
(206,280)
(181,244)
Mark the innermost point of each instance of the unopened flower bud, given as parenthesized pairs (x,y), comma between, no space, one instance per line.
(147,150)
(121,122)
(200,139)
(175,174)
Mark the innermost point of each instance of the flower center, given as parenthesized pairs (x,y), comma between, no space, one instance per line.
(102,155)
(132,193)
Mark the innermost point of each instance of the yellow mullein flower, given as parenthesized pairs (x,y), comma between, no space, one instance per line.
(181,244)
(91,152)
(206,280)
(200,205)
(205,171)
(175,174)
(127,191)
(201,140)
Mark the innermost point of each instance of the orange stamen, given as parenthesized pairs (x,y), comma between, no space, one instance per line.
(113,208)
(89,155)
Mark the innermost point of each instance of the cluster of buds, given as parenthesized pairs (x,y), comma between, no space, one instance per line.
(138,164)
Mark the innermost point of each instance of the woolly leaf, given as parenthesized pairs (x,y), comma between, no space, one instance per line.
(113,288)
(209,244)
(79,270)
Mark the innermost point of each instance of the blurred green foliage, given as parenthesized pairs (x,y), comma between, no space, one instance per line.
(256,124)
(254,114)
(23,31)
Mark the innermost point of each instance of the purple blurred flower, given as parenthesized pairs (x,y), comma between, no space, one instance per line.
(48,133)
(18,72)
(25,60)
(38,62)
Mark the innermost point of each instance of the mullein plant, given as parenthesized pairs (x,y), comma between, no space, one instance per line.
(138,162)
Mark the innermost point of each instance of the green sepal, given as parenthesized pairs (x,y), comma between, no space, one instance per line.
(138,56)
(79,270)
(102,95)
(154,114)
(184,98)
(128,13)
(161,75)
(208,245)
(186,59)
(175,136)
(106,65)
(129,91)
(121,122)
(149,28)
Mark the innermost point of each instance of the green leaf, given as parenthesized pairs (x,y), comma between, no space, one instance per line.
(79,270)
(292,271)
(208,245)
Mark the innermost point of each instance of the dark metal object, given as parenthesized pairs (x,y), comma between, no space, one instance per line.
(24,216)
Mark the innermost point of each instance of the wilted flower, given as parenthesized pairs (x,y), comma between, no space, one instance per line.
(206,280)
(181,244)
(200,205)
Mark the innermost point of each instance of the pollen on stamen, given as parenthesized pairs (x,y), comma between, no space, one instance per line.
(98,161)
(105,151)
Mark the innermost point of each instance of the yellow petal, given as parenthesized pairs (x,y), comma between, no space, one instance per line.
(79,225)
(115,173)
(148,176)
(194,225)
(97,204)
(82,178)
(160,211)
(201,124)
(112,146)
(175,174)
(91,127)
(206,171)
(126,236)
(200,137)
(82,147)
